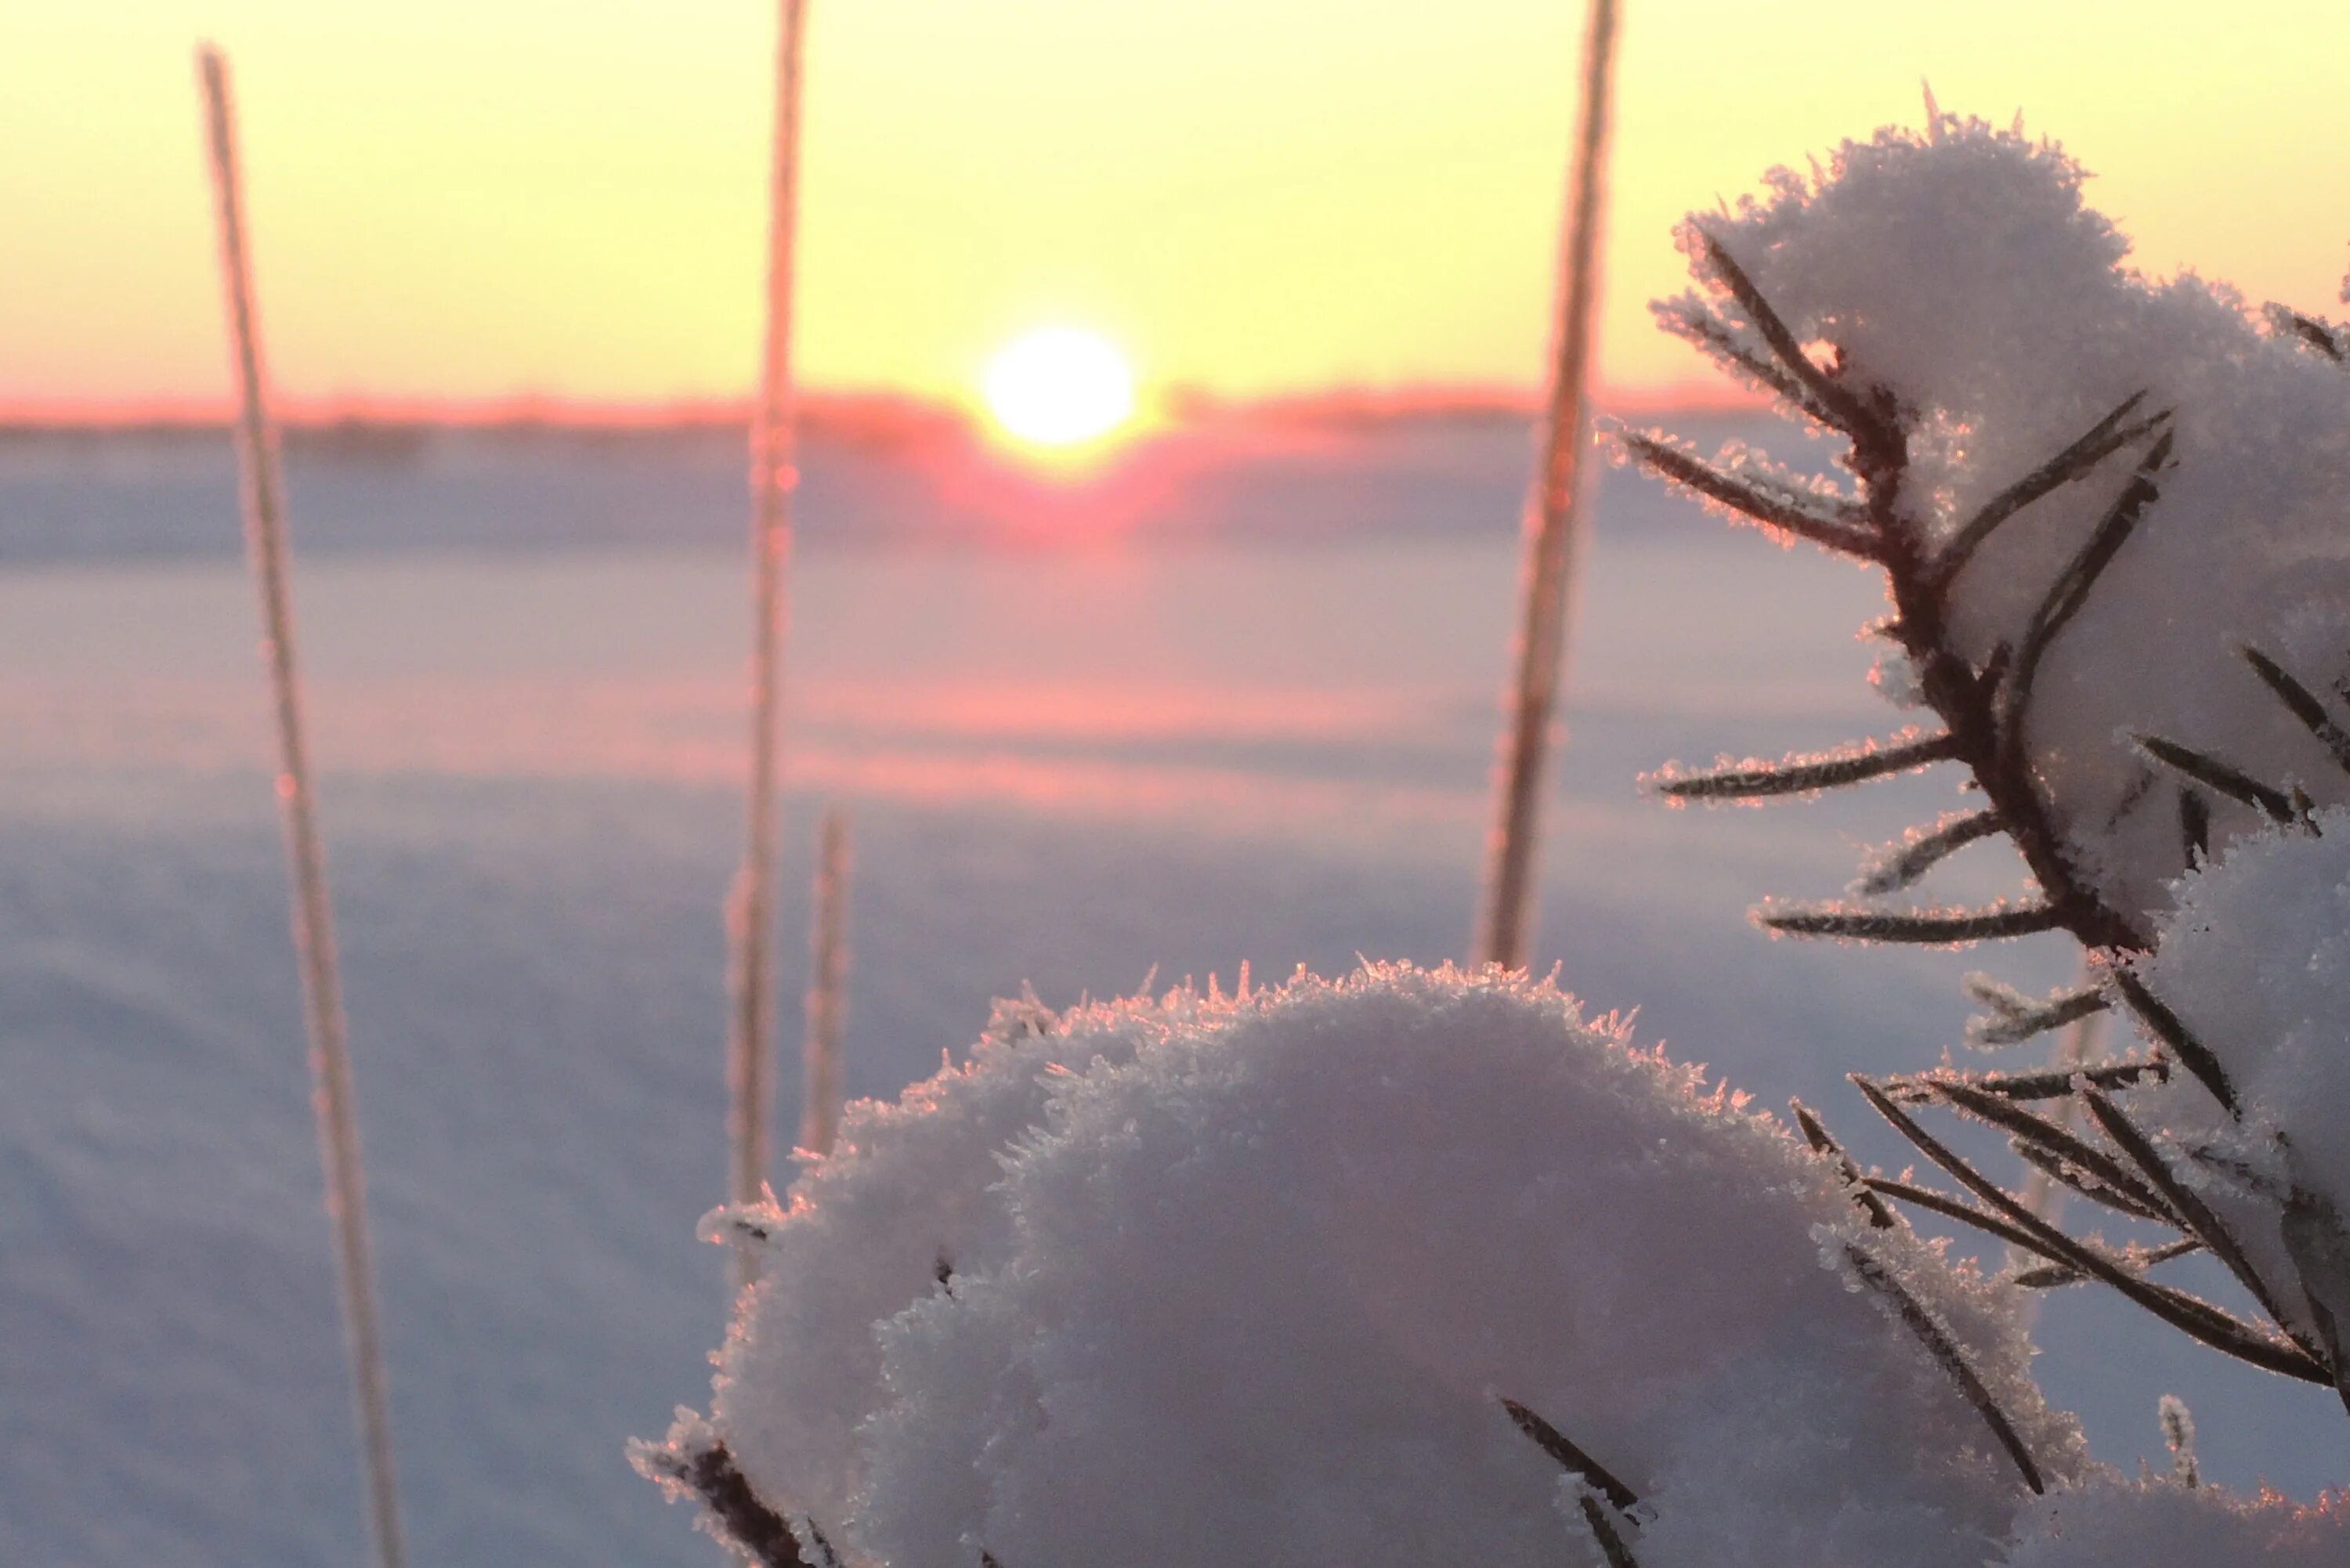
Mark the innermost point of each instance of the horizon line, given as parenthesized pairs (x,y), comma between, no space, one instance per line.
(842,409)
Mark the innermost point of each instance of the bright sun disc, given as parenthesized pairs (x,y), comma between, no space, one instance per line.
(1059,386)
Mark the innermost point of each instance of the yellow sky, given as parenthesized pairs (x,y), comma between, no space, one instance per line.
(487,199)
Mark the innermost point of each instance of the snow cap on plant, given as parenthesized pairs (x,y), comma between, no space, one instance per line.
(1948,296)
(1271,1280)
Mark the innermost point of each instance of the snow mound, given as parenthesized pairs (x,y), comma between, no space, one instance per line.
(1960,271)
(1270,1276)
(2161,1524)
(907,1197)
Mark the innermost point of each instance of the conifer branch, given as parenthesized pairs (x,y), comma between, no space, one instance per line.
(1572,1459)
(740,1515)
(2032,1133)
(1805,774)
(1604,1530)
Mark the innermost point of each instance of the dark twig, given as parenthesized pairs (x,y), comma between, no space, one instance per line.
(711,1474)
(1604,1530)
(1804,775)
(1948,1355)
(2197,1217)
(2103,439)
(1573,1459)
(2071,589)
(2053,1083)
(1843,410)
(2035,1132)
(2311,333)
(2192,1053)
(1903,863)
(1883,926)
(2016,1023)
(2189,1314)
(2057,1274)
(1816,1133)
(2301,703)
(2228,780)
(1839,532)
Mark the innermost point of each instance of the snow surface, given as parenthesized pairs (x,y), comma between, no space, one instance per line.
(1960,269)
(1267,1281)
(1066,767)
(2157,1525)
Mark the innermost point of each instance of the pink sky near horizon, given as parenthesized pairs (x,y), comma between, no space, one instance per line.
(500,205)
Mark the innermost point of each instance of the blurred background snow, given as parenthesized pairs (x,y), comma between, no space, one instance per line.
(1231,701)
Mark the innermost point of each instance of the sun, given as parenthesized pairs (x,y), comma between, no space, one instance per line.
(1059,387)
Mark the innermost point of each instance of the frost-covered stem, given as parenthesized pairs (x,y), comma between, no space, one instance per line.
(1552,527)
(773,475)
(827,988)
(313,921)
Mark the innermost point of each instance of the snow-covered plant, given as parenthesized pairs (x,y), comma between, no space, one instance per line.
(2111,515)
(1417,1266)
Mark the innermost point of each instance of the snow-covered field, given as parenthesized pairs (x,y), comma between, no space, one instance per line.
(1228,729)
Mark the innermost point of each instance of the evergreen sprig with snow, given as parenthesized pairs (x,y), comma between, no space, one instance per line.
(2109,513)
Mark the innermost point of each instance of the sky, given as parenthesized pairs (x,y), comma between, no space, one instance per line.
(504,201)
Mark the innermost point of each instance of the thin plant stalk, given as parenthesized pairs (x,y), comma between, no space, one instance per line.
(1553,527)
(827,991)
(313,922)
(775,473)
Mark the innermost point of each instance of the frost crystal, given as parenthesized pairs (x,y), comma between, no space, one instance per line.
(1270,1279)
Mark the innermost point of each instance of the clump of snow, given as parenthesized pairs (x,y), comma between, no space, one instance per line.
(1960,270)
(1270,1275)
(2161,1524)
(907,1196)
(2255,960)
